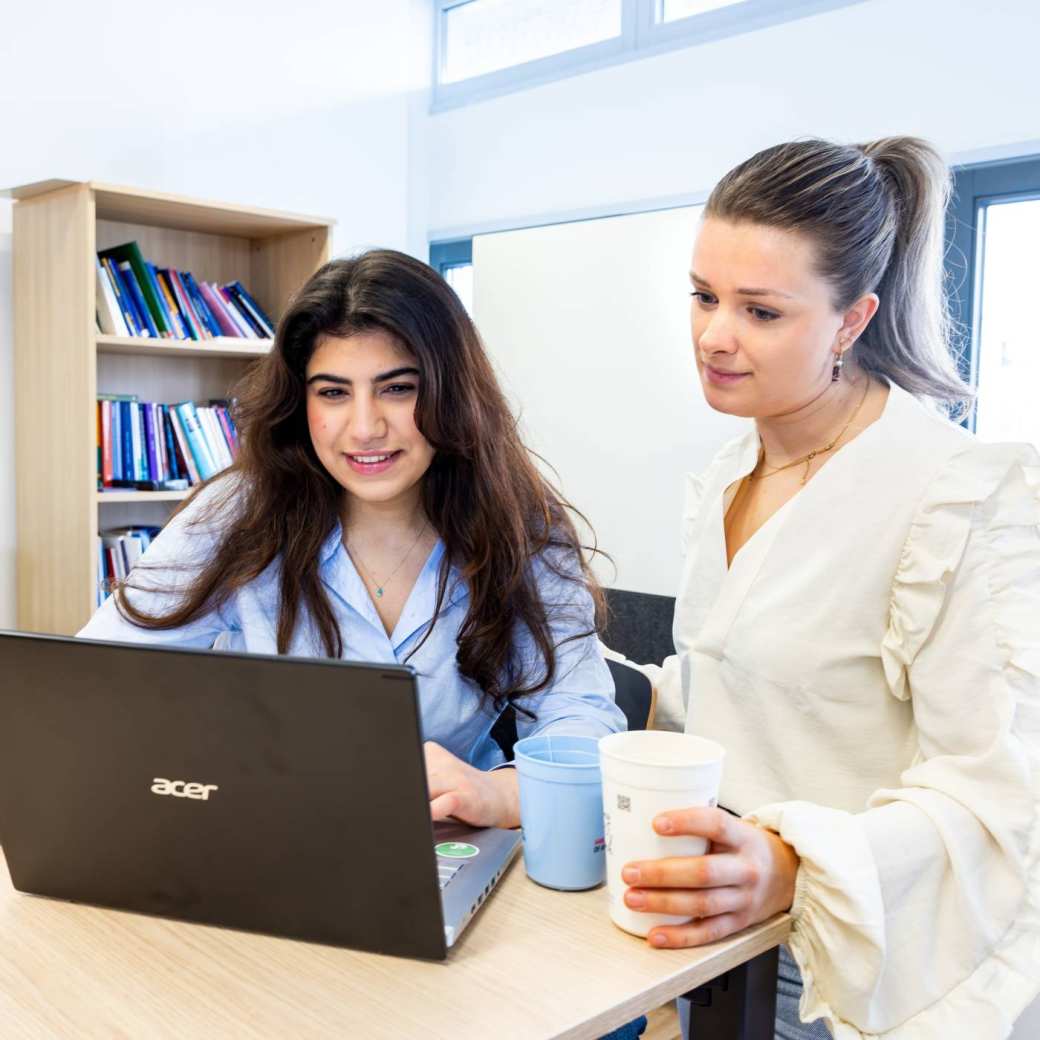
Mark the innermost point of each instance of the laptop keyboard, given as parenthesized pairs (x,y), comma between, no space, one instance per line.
(447,871)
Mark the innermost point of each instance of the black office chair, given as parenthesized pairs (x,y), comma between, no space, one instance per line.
(633,693)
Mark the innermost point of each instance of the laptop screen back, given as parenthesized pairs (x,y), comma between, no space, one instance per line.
(276,794)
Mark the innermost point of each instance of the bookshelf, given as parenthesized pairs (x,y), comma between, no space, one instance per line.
(62,363)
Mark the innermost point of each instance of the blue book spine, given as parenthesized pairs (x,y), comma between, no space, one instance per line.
(141,327)
(200,303)
(102,572)
(116,434)
(197,440)
(126,426)
(261,317)
(171,449)
(140,464)
(129,316)
(130,280)
(180,328)
(167,317)
(154,469)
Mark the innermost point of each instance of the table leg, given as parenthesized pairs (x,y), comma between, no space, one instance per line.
(740,1005)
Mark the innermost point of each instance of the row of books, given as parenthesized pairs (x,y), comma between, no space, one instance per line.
(136,298)
(151,446)
(118,550)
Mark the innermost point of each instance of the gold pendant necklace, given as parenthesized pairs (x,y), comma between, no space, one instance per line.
(381,585)
(808,459)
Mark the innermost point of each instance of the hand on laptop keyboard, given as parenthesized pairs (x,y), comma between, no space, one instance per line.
(481,799)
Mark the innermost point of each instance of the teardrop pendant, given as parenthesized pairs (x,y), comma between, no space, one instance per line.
(379,593)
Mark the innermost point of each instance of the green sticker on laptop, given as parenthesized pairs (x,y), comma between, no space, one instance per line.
(456,850)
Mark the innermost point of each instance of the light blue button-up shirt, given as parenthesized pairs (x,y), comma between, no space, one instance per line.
(579,701)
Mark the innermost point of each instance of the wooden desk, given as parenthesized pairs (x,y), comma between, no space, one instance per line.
(535,964)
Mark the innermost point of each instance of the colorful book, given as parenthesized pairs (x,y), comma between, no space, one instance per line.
(110,315)
(153,471)
(244,328)
(117,442)
(218,310)
(184,455)
(244,312)
(133,291)
(177,468)
(170,331)
(105,408)
(126,441)
(219,447)
(200,303)
(176,321)
(205,465)
(126,305)
(194,322)
(162,276)
(257,311)
(228,426)
(130,253)
(160,442)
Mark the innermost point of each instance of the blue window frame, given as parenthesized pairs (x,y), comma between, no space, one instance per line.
(979,190)
(638,28)
(453,261)
(450,254)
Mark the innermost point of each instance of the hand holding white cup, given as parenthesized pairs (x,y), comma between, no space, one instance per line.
(647,773)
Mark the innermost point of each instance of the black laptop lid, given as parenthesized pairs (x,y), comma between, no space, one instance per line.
(271,793)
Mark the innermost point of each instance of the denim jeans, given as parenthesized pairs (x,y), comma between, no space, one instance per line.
(632,1031)
(788,993)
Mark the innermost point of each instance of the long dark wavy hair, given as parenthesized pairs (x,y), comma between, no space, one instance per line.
(498,518)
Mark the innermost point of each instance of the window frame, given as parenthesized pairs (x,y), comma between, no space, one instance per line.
(455,253)
(976,186)
(643,33)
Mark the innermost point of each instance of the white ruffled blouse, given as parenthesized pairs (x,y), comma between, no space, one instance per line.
(871,662)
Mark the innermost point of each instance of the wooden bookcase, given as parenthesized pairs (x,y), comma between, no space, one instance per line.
(62,362)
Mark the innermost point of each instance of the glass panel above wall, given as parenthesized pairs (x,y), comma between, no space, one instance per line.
(673,10)
(1008,351)
(460,278)
(484,36)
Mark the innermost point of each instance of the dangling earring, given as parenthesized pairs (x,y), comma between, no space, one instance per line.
(839,364)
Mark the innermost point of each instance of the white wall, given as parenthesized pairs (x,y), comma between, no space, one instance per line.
(301,106)
(588,324)
(960,73)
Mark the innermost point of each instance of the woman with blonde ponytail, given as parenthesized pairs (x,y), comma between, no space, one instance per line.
(858,620)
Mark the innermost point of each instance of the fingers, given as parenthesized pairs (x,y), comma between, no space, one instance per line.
(445,805)
(717,825)
(709,902)
(697,933)
(714,871)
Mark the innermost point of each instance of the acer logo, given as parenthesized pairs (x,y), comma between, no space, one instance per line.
(181,789)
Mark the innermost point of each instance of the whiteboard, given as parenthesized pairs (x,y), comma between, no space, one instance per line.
(588,327)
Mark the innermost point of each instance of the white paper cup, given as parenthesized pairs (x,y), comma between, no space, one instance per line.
(647,772)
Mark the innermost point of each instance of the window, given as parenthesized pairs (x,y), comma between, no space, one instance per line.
(482,36)
(490,47)
(454,262)
(993,229)
(672,10)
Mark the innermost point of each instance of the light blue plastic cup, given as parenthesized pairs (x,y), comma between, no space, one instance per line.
(561,811)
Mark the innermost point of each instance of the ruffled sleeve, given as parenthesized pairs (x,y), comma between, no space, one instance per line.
(920,916)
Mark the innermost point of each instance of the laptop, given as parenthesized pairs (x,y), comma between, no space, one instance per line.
(276,794)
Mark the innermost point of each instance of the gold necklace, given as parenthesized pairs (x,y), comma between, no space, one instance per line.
(380,586)
(808,459)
